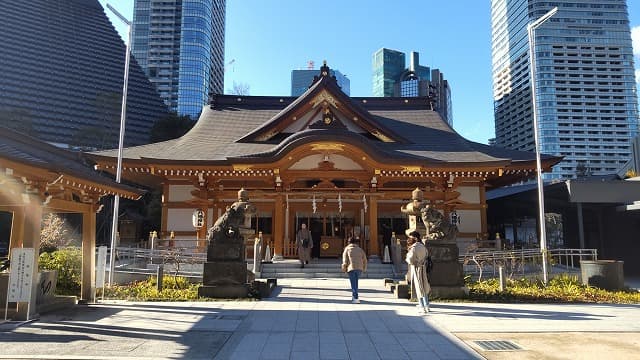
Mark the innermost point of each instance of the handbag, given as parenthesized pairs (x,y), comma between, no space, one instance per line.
(429,264)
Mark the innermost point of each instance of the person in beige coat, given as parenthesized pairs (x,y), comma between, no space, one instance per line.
(417,259)
(354,263)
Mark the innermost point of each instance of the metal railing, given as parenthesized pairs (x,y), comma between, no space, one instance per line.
(523,261)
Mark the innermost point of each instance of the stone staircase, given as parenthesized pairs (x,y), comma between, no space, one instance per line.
(322,268)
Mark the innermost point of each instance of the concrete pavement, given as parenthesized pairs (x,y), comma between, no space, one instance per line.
(314,319)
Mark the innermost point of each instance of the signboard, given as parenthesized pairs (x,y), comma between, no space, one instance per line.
(101,266)
(21,275)
(198,218)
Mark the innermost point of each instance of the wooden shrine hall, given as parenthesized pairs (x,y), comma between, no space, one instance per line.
(342,165)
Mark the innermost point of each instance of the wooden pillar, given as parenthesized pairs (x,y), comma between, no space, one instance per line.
(279,227)
(32,216)
(483,210)
(374,246)
(88,279)
(17,228)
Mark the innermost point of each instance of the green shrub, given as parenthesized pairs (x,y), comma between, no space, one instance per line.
(174,288)
(68,263)
(563,288)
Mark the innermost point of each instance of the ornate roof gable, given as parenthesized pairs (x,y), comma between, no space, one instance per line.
(323,106)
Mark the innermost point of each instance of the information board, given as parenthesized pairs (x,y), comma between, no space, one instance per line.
(101,266)
(21,275)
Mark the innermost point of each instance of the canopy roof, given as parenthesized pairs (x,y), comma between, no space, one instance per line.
(44,165)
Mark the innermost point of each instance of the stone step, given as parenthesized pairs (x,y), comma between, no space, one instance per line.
(318,275)
(323,269)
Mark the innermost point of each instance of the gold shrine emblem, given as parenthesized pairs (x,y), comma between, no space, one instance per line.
(322,97)
(324,246)
(381,136)
(411,169)
(327,147)
(238,167)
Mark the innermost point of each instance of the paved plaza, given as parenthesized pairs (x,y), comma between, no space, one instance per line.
(314,319)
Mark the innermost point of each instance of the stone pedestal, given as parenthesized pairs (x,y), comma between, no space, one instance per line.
(224,291)
(446,278)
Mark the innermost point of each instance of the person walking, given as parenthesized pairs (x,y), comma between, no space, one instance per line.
(417,259)
(304,244)
(354,263)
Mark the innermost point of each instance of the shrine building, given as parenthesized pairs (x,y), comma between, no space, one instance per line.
(342,165)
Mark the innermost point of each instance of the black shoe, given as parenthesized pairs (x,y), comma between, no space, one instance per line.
(307,261)
(302,266)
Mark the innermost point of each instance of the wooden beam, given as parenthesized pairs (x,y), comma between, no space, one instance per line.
(59,205)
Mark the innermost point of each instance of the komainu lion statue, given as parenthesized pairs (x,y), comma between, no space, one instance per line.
(438,228)
(227,227)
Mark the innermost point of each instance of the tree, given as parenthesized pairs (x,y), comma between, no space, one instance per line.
(54,234)
(170,127)
(239,89)
(582,170)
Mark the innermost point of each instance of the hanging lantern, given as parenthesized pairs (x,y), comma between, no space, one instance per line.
(455,218)
(339,203)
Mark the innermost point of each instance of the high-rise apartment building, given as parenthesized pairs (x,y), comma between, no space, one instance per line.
(391,77)
(61,76)
(302,79)
(586,90)
(180,46)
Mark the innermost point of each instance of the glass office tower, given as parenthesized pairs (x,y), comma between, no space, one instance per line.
(392,78)
(586,89)
(61,76)
(388,65)
(180,46)
(302,79)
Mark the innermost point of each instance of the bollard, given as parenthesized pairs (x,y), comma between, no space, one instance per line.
(502,279)
(160,275)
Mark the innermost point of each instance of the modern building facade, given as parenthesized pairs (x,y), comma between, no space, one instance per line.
(391,78)
(180,46)
(61,76)
(586,89)
(301,80)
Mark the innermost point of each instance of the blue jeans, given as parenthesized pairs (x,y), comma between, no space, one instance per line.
(424,301)
(353,279)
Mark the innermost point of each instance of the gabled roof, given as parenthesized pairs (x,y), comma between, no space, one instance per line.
(325,97)
(263,128)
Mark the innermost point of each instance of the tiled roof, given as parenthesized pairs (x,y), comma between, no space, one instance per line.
(221,133)
(23,149)
(216,134)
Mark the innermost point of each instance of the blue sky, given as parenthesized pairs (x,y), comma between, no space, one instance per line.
(267,39)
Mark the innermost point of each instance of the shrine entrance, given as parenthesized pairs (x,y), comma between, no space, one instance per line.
(330,228)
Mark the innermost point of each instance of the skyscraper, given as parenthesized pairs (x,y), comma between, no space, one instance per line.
(180,46)
(391,78)
(302,79)
(61,75)
(586,90)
